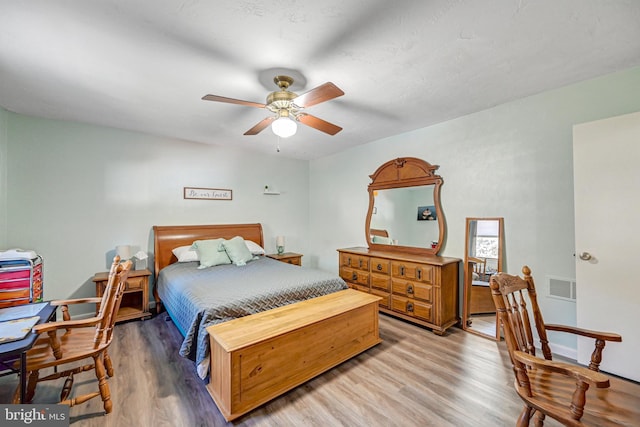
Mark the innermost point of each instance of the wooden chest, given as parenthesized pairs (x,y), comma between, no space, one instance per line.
(417,288)
(258,357)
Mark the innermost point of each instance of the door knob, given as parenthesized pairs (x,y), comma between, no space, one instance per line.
(585,256)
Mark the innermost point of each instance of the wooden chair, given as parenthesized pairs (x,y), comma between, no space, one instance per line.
(479,267)
(552,388)
(70,341)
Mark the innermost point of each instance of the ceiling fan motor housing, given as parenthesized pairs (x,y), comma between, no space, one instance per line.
(282,98)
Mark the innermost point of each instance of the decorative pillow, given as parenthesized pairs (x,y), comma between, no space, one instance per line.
(383,240)
(254,248)
(211,253)
(185,254)
(237,250)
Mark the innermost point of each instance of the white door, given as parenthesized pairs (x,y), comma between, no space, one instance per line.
(606,165)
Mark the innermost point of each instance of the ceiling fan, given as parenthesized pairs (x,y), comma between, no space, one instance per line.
(287,108)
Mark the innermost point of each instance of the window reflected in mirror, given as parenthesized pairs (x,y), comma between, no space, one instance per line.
(485,243)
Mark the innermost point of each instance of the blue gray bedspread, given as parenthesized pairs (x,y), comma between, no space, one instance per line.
(196,299)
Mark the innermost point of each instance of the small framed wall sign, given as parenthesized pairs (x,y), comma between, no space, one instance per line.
(208,193)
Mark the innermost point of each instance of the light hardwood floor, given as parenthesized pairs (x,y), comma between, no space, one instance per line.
(484,323)
(413,378)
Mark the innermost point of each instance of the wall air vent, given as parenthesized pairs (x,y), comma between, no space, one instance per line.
(561,288)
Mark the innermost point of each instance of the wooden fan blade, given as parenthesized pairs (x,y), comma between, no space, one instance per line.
(232,101)
(319,124)
(260,126)
(317,95)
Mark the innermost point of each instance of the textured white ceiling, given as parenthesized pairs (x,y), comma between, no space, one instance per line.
(144,65)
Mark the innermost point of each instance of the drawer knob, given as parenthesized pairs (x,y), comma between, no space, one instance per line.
(409,289)
(419,274)
(402,270)
(360,263)
(379,267)
(410,307)
(354,276)
(349,261)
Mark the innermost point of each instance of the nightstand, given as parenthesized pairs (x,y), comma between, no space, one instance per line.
(135,300)
(288,257)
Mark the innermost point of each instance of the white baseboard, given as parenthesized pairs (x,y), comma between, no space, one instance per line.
(568,352)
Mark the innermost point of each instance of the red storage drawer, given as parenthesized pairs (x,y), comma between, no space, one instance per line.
(15,284)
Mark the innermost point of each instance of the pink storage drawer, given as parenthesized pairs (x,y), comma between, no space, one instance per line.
(10,275)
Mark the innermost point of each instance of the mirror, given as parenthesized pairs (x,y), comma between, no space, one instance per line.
(483,257)
(407,215)
(404,208)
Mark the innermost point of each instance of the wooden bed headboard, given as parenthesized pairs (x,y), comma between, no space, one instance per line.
(168,237)
(377,232)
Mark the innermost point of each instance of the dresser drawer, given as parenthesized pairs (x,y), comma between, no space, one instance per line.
(386,298)
(354,261)
(411,271)
(353,275)
(134,283)
(381,282)
(380,265)
(421,291)
(411,307)
(357,287)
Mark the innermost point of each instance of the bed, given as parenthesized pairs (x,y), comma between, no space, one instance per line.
(380,236)
(197,298)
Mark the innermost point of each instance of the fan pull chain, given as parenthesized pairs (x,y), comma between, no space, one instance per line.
(278,145)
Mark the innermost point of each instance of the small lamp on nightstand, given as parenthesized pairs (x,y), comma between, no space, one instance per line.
(280,244)
(124,252)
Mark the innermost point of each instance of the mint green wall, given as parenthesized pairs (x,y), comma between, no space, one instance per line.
(75,191)
(512,161)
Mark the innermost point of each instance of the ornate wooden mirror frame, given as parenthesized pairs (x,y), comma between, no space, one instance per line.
(401,173)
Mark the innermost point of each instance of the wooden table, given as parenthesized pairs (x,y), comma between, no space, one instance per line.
(9,350)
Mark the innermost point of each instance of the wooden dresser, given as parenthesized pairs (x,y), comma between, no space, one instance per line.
(422,289)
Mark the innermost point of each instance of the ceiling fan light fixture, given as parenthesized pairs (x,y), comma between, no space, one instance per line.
(284,127)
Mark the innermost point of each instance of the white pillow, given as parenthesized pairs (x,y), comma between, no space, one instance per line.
(254,248)
(185,254)
(383,240)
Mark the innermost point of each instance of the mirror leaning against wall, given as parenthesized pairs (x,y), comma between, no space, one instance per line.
(483,257)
